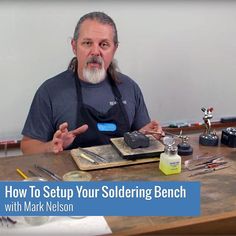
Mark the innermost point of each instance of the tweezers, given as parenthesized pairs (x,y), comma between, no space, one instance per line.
(205,171)
(11,220)
(6,220)
(209,165)
(203,160)
(48,172)
(92,154)
(34,174)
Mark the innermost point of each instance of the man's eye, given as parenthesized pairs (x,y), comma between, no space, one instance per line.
(104,45)
(87,43)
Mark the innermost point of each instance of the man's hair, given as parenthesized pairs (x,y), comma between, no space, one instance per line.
(99,17)
(102,18)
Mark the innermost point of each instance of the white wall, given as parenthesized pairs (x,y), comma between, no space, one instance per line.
(181,53)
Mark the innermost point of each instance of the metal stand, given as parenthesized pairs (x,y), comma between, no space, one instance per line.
(208,139)
(184,149)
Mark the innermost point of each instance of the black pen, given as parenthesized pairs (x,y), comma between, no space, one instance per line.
(48,172)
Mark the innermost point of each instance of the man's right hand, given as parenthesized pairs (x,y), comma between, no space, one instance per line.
(61,140)
(63,137)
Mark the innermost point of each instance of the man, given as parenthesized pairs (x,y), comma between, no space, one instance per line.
(90,102)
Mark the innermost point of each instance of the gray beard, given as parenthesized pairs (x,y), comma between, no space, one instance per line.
(94,76)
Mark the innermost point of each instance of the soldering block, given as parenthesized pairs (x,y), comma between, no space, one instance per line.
(136,139)
(228,137)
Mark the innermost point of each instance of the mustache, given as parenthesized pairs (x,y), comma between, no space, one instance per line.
(95,59)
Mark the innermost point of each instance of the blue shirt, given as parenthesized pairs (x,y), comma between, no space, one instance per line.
(55,102)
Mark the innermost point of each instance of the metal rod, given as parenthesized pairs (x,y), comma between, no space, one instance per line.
(160,133)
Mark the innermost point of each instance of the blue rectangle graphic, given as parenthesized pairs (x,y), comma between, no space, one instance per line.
(100,198)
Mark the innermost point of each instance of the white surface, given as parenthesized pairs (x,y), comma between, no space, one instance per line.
(87,226)
(181,53)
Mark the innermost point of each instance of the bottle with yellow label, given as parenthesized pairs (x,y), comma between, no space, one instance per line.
(170,161)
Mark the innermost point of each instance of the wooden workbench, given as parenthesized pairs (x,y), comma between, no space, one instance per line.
(218,191)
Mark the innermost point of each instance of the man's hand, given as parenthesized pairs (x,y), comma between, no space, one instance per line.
(154,129)
(63,137)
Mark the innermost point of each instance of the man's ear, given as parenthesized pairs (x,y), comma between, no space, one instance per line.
(116,46)
(73,45)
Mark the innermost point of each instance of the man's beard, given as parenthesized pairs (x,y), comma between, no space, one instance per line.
(94,75)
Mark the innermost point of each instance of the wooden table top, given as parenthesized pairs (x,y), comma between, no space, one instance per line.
(218,189)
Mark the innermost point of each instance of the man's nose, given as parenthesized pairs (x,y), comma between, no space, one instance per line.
(95,50)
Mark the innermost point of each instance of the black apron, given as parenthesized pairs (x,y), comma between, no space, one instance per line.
(88,115)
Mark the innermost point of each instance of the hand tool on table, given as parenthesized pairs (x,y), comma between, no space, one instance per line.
(87,158)
(209,170)
(202,160)
(48,172)
(92,155)
(208,165)
(5,220)
(34,174)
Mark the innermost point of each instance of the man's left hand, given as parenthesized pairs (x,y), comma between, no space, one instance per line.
(153,128)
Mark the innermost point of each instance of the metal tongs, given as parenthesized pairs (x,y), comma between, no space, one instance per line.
(6,220)
(48,172)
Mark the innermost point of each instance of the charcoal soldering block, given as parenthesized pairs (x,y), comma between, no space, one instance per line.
(136,139)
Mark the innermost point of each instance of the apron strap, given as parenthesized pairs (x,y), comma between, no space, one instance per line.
(118,97)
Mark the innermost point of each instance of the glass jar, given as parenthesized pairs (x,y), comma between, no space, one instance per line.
(77,176)
(35,220)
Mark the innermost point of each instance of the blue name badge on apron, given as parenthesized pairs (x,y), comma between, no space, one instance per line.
(107,127)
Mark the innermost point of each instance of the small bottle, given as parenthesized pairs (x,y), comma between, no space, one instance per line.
(170,161)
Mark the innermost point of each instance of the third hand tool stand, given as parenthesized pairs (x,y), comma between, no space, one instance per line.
(184,148)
